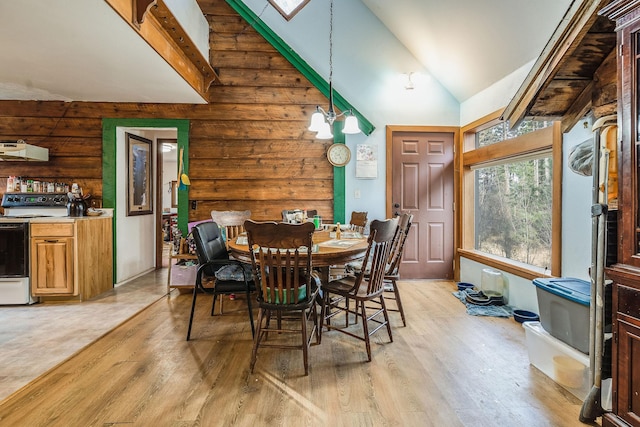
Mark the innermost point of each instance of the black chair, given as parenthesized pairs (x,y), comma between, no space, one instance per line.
(229,276)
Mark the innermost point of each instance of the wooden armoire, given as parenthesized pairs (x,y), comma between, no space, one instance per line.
(626,272)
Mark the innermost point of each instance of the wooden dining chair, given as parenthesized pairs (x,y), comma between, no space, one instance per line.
(363,288)
(231,221)
(358,221)
(282,266)
(228,276)
(392,270)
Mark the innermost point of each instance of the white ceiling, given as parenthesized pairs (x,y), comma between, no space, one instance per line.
(469,44)
(81,50)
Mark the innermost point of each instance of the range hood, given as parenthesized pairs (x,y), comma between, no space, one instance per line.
(21,151)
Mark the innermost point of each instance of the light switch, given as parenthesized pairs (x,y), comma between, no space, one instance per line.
(356,194)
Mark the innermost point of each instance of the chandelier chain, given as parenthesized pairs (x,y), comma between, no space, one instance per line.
(331,41)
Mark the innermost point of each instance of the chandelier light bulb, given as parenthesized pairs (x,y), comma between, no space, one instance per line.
(351,125)
(317,119)
(325,132)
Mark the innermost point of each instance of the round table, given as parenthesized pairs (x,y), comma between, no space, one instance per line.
(326,251)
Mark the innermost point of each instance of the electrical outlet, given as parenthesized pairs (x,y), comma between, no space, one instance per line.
(356,194)
(194,204)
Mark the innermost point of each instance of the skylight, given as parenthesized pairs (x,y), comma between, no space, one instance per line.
(288,8)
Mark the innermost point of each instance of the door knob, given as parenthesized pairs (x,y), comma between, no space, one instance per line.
(396,205)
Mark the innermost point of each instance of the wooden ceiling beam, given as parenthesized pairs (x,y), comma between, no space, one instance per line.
(571,30)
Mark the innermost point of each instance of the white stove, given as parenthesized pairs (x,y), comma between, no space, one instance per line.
(34,205)
(19,209)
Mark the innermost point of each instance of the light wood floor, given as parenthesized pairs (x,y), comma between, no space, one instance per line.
(445,368)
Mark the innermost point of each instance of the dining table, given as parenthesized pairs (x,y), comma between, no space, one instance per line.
(327,250)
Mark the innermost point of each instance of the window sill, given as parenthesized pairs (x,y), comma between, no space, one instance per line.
(504,264)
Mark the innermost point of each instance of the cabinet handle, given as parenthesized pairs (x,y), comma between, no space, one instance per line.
(51,241)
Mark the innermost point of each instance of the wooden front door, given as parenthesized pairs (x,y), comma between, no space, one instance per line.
(422,184)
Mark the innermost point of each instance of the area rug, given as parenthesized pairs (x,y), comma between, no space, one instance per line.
(483,310)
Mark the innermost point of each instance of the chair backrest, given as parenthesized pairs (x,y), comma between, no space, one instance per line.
(404,226)
(373,269)
(358,221)
(232,221)
(209,243)
(281,260)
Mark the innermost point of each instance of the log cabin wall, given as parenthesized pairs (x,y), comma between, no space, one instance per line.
(248,148)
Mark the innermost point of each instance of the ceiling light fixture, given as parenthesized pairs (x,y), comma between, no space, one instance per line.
(322,121)
(409,83)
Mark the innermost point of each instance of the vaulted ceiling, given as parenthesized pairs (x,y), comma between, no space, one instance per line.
(79,49)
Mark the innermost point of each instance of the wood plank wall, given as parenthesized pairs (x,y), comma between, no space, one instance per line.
(249,147)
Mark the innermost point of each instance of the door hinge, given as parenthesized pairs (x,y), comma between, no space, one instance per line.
(621,50)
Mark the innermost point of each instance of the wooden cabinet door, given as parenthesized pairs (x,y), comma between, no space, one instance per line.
(628,384)
(52,266)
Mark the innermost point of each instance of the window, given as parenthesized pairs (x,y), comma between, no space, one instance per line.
(513,211)
(511,196)
(288,8)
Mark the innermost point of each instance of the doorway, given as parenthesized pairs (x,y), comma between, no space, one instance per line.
(420,180)
(167,173)
(125,255)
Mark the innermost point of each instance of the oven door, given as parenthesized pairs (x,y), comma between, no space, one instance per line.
(14,249)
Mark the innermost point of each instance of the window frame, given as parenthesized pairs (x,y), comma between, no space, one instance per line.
(549,138)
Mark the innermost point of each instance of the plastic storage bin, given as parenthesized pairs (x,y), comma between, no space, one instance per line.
(564,309)
(559,361)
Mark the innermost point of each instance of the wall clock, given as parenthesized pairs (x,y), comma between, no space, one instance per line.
(338,154)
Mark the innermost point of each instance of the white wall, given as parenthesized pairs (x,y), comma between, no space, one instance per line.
(190,16)
(576,208)
(135,235)
(495,97)
(169,168)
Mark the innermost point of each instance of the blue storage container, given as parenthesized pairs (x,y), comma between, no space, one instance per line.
(564,309)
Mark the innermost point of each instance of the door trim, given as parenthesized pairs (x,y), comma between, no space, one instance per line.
(391,129)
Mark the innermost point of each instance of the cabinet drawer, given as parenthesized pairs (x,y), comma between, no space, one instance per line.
(52,230)
(629,301)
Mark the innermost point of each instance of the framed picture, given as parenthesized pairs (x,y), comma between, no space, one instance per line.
(139,175)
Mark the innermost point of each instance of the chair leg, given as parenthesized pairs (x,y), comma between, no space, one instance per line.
(253,329)
(365,327)
(256,340)
(315,323)
(193,307)
(399,301)
(346,318)
(305,343)
(213,305)
(386,317)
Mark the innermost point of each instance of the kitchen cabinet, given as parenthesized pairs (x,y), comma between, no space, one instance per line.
(626,272)
(52,259)
(71,258)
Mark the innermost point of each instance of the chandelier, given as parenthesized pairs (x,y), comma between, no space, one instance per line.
(321,120)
